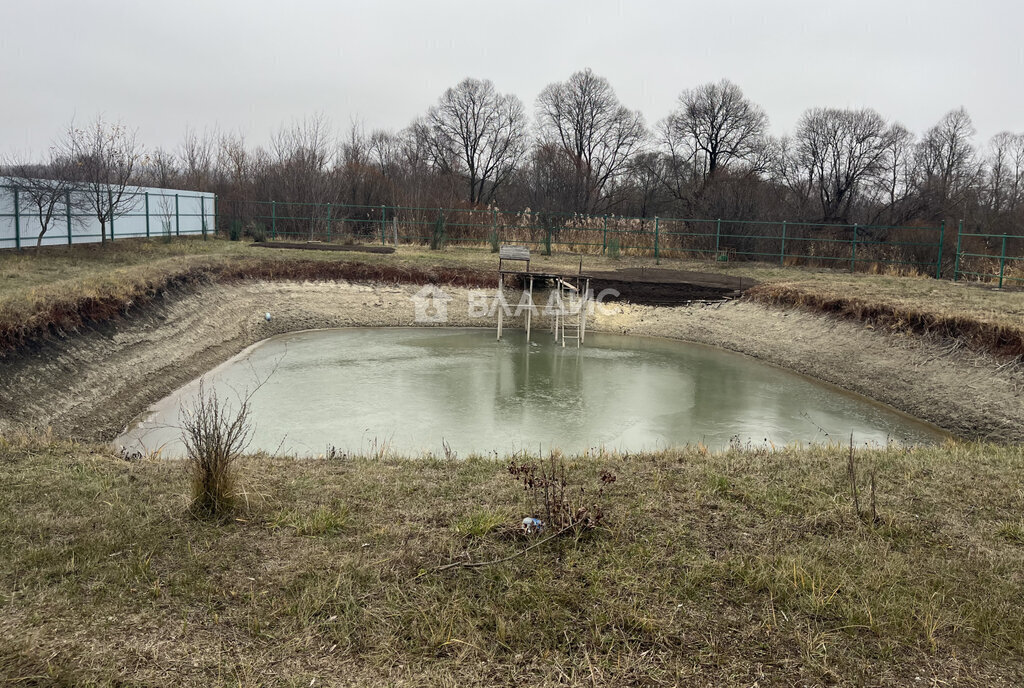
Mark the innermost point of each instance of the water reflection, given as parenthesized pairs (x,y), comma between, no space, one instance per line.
(360,389)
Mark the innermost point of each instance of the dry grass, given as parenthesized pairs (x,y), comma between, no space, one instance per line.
(983,328)
(730,569)
(60,288)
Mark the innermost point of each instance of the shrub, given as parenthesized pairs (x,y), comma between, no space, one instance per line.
(613,248)
(214,435)
(553,498)
(257,231)
(235,231)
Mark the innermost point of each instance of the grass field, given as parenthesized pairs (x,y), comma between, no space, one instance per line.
(740,568)
(48,290)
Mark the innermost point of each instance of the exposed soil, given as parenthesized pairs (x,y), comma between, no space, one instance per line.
(318,246)
(664,287)
(668,276)
(997,338)
(60,316)
(93,384)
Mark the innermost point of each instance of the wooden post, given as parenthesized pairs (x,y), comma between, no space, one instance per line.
(501,311)
(529,310)
(583,313)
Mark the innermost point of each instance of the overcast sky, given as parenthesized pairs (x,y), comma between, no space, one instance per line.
(250,66)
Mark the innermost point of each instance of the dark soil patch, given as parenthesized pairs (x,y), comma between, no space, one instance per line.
(317,246)
(662,287)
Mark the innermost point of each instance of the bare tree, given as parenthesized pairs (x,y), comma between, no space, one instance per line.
(589,125)
(48,189)
(103,157)
(360,175)
(894,197)
(234,165)
(303,156)
(1003,181)
(948,163)
(160,169)
(197,155)
(715,125)
(839,150)
(478,133)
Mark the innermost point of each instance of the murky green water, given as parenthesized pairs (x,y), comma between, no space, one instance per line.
(361,390)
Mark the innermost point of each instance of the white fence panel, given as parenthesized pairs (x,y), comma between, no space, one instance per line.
(151,212)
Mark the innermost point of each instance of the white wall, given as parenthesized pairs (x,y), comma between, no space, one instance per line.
(192,206)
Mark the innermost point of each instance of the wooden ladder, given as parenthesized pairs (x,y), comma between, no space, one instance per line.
(570,299)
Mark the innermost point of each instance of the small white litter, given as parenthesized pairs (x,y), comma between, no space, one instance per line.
(532,525)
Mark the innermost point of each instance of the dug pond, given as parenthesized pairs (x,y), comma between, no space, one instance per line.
(411,391)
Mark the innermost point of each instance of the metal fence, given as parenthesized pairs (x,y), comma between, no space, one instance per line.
(147,212)
(154,212)
(850,246)
(989,257)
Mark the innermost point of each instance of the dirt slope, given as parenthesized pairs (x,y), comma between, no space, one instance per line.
(92,384)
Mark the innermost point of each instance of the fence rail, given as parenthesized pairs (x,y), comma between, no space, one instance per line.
(147,212)
(998,258)
(988,255)
(852,246)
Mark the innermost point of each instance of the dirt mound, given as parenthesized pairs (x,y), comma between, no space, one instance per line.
(663,287)
(319,246)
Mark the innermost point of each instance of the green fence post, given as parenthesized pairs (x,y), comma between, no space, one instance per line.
(718,236)
(956,258)
(177,217)
(216,217)
(202,215)
(17,221)
(67,213)
(383,215)
(782,252)
(1002,262)
(656,254)
(147,214)
(604,243)
(111,226)
(938,260)
(853,254)
(328,223)
(273,219)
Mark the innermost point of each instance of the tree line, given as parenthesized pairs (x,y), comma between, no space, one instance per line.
(580,150)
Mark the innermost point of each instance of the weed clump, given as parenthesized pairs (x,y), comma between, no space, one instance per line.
(215,435)
(560,505)
(257,231)
(614,249)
